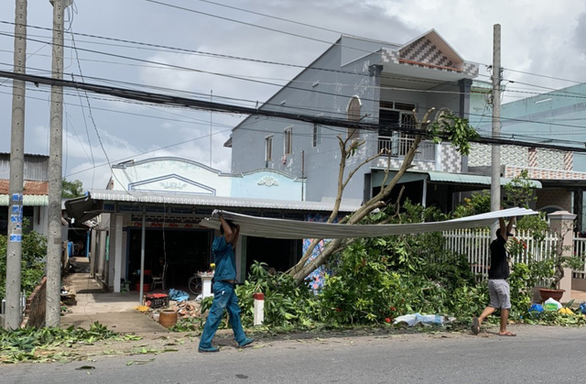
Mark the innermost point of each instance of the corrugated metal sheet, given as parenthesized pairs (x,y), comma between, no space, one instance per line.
(214,201)
(292,229)
(28,200)
(36,167)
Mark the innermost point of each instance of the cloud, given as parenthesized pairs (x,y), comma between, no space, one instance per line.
(579,38)
(536,38)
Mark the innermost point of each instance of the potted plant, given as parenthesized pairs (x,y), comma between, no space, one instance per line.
(546,273)
(552,269)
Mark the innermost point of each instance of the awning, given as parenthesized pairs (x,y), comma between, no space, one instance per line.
(83,209)
(447,178)
(292,229)
(463,178)
(216,201)
(27,200)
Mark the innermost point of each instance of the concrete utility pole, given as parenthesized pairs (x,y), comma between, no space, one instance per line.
(211,132)
(54,241)
(13,315)
(495,185)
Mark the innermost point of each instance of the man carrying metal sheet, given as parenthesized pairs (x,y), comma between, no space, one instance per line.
(498,287)
(224,283)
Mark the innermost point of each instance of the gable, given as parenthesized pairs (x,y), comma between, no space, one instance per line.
(423,52)
(172,183)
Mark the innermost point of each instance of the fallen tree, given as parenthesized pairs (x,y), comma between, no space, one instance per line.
(456,129)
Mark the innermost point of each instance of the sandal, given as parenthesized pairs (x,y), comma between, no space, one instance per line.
(507,333)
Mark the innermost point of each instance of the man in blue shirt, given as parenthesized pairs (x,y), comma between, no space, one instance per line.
(224,282)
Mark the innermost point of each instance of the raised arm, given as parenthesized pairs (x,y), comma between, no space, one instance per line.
(503,228)
(510,225)
(230,233)
(235,234)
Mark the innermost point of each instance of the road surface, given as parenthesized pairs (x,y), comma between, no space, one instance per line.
(537,354)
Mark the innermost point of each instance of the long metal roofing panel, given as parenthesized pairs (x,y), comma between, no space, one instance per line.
(292,229)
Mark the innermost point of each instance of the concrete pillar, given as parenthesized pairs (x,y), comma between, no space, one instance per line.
(562,223)
(259,307)
(118,251)
(93,249)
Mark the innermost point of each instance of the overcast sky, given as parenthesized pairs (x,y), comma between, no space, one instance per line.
(231,54)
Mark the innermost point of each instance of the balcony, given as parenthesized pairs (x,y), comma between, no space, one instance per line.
(399,146)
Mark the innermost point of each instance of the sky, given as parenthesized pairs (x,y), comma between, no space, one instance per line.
(241,52)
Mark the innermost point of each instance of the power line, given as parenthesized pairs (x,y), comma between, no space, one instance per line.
(220,107)
(257,26)
(248,78)
(237,21)
(266,83)
(470,114)
(394,88)
(275,17)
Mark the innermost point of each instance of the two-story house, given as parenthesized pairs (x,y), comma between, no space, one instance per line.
(551,118)
(372,82)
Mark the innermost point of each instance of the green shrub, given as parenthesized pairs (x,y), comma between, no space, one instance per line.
(34,251)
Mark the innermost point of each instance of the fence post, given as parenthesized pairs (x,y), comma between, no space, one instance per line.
(562,223)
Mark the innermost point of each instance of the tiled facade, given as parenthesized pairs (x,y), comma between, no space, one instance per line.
(540,173)
(480,156)
(423,53)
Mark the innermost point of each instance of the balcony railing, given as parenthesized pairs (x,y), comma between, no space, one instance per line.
(399,146)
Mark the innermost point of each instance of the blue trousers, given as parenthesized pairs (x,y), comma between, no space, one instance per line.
(224,299)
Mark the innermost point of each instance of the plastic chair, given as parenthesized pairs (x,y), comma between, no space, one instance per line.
(160,280)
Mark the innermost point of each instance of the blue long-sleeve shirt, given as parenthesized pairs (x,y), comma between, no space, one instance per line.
(224,258)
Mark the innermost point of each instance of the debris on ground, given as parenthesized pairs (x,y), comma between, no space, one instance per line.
(417,318)
(185,309)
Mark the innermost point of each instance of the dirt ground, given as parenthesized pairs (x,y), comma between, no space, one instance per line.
(153,344)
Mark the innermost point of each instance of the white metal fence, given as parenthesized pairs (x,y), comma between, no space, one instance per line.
(580,250)
(475,243)
(398,147)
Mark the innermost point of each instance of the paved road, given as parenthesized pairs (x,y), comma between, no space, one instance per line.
(536,355)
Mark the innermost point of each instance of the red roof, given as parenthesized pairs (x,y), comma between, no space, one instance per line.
(30,187)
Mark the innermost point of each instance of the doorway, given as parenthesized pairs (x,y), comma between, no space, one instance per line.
(185,252)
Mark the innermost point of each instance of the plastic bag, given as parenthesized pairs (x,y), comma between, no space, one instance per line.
(583,307)
(411,320)
(566,311)
(535,310)
(552,305)
(178,295)
(417,318)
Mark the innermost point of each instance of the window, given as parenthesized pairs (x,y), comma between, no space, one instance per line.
(396,115)
(316,137)
(288,148)
(353,114)
(268,148)
(393,115)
